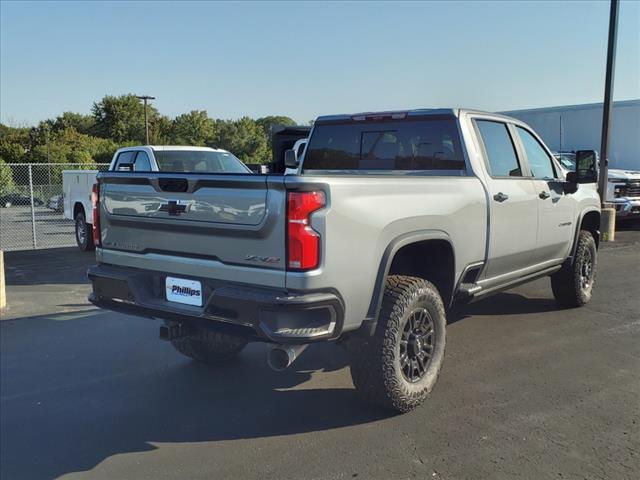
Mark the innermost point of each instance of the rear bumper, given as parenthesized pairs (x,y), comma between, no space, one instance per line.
(260,314)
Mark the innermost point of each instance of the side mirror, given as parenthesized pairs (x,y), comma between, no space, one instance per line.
(571,183)
(586,166)
(290,158)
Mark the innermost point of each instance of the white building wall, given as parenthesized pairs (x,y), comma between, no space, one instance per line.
(582,128)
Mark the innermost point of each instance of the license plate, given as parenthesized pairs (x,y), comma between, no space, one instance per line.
(184,291)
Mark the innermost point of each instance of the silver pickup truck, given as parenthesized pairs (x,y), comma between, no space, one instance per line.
(392,218)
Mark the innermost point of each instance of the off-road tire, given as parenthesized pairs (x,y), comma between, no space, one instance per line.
(376,368)
(208,347)
(84,240)
(572,285)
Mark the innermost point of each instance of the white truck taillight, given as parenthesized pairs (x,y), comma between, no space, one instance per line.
(303,243)
(95,207)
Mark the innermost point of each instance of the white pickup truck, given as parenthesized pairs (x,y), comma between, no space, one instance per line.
(623,187)
(77,184)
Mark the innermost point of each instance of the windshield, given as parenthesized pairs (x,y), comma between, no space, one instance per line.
(195,161)
(567,160)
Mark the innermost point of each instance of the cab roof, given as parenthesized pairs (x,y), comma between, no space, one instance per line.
(400,114)
(160,148)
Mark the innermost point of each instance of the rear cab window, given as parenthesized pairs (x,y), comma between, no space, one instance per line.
(198,161)
(124,158)
(417,145)
(142,163)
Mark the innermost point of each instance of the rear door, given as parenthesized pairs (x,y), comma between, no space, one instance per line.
(512,202)
(555,208)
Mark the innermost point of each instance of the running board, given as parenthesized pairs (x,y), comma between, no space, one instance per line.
(468,290)
(483,292)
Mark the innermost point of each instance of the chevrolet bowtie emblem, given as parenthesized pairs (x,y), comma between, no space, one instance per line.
(173,207)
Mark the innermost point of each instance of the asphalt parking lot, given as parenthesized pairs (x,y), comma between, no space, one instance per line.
(16,228)
(527,391)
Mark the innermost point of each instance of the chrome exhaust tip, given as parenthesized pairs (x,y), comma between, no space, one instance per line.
(280,357)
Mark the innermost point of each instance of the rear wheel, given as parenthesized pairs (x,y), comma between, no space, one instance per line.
(209,347)
(84,235)
(572,285)
(399,365)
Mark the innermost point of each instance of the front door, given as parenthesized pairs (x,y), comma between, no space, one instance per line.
(513,206)
(555,208)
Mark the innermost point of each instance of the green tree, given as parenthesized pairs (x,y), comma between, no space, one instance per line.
(6,178)
(244,138)
(70,146)
(14,144)
(272,123)
(82,123)
(193,128)
(121,118)
(160,130)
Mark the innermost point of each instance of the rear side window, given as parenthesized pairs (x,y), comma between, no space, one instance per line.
(415,144)
(142,162)
(501,153)
(539,162)
(124,157)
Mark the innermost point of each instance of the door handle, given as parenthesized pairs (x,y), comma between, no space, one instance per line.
(544,195)
(500,197)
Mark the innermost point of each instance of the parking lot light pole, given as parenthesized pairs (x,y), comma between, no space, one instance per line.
(608,100)
(145,98)
(608,217)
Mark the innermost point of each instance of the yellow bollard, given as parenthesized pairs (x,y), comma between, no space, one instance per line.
(608,224)
(3,291)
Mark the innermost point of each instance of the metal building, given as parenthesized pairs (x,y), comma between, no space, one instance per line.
(578,127)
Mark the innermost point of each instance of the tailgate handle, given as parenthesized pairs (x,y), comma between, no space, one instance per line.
(173,184)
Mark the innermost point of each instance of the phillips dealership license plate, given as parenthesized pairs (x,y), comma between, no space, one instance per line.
(184,291)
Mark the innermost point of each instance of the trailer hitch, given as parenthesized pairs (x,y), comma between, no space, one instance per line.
(174,331)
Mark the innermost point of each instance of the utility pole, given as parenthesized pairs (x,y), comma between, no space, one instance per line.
(145,98)
(608,100)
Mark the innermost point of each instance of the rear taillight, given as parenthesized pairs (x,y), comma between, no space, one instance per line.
(303,242)
(95,204)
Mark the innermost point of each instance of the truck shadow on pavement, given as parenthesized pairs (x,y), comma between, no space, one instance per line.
(506,303)
(77,391)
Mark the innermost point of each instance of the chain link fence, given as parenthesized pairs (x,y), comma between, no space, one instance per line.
(32,205)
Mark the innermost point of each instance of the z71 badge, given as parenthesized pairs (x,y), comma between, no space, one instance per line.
(258,258)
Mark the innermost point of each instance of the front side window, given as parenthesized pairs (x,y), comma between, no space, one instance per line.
(501,154)
(416,144)
(539,162)
(142,162)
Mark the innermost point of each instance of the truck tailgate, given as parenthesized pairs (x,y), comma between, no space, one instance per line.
(223,220)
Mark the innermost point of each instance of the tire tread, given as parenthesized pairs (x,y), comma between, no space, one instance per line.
(372,371)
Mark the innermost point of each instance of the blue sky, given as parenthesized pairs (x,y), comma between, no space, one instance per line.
(308,59)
